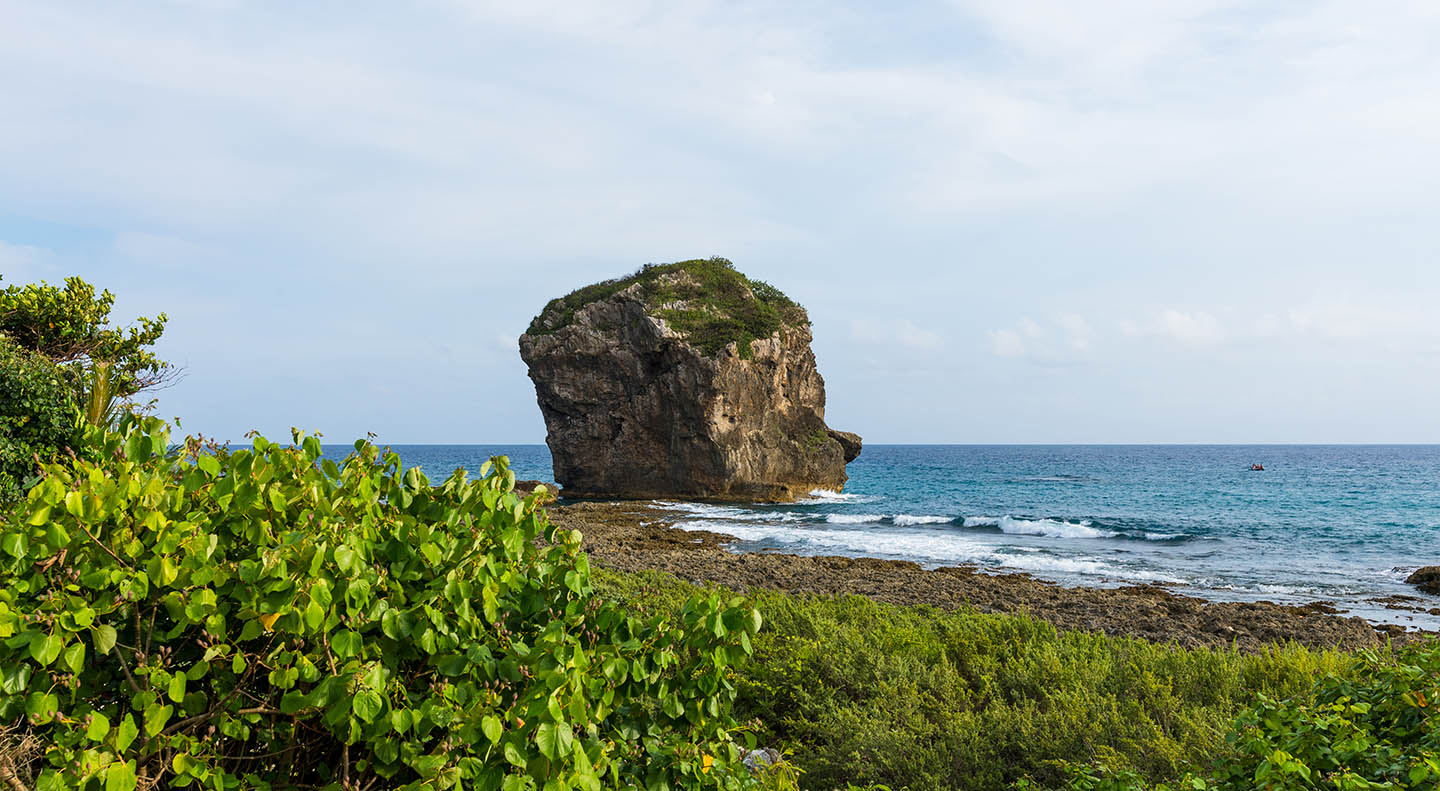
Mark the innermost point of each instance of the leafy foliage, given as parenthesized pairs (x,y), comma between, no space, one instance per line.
(918,698)
(265,618)
(712,305)
(1376,729)
(38,415)
(71,325)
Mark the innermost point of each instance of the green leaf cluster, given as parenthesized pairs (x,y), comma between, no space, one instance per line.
(713,305)
(266,618)
(71,325)
(38,415)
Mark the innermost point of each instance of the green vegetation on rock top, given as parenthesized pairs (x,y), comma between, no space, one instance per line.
(714,307)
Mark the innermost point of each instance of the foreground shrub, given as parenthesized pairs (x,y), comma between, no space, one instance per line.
(919,698)
(38,416)
(1376,729)
(267,619)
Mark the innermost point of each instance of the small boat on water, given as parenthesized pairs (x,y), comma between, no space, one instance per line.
(1257,468)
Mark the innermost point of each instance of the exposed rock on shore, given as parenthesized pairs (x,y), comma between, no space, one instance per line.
(1426,579)
(685,380)
(634,536)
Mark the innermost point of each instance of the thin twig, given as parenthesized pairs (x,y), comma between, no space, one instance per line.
(150,635)
(115,649)
(102,546)
(212,714)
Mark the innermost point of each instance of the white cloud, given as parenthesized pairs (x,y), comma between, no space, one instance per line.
(1060,340)
(1196,328)
(1078,331)
(901,332)
(1005,343)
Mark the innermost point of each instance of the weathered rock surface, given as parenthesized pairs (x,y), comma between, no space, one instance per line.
(849,443)
(635,537)
(1426,579)
(636,408)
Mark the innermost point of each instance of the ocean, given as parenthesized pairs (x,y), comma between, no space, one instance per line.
(1338,523)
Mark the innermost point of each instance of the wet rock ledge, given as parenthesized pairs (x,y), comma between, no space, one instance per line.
(638,536)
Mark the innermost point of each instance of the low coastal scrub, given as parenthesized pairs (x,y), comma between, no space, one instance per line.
(265,618)
(715,307)
(919,698)
(1376,729)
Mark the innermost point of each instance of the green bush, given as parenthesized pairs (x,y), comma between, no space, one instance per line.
(1374,729)
(38,415)
(721,305)
(264,619)
(71,327)
(919,698)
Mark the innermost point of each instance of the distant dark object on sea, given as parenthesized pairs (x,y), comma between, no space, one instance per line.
(1426,579)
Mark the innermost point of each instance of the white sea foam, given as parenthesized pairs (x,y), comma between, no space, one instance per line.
(728,512)
(823,496)
(905,520)
(899,520)
(1055,528)
(938,547)
(853,519)
(1039,527)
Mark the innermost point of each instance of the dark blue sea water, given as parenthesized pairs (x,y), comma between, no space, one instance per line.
(1338,523)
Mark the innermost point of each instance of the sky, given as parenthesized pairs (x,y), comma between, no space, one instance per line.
(1012,221)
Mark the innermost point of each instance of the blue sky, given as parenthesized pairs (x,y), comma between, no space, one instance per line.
(1011,220)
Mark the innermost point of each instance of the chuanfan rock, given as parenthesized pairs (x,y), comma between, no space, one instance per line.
(684,380)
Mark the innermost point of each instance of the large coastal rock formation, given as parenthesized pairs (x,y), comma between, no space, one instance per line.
(684,380)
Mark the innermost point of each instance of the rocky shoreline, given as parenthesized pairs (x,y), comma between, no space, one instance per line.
(633,536)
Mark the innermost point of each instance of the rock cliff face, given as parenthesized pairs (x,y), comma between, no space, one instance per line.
(685,381)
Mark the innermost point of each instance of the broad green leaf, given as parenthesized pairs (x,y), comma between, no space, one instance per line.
(367,704)
(74,657)
(346,644)
(125,733)
(41,706)
(314,615)
(120,776)
(491,727)
(155,718)
(548,740)
(401,720)
(16,542)
(99,727)
(45,648)
(104,637)
(513,755)
(176,690)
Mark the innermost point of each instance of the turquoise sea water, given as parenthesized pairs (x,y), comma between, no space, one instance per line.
(1337,523)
